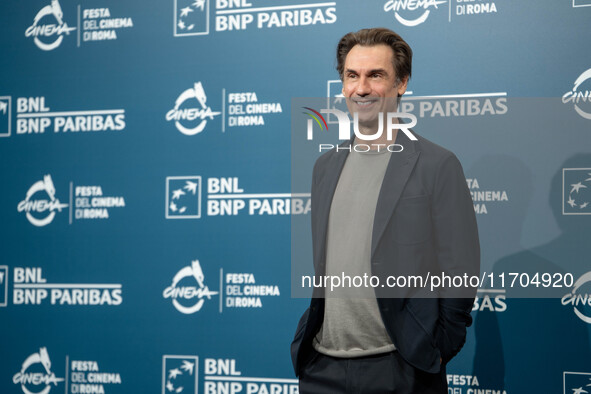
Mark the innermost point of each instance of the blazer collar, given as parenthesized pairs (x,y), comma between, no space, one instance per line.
(397,173)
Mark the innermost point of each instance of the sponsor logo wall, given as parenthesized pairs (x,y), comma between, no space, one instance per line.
(151,203)
(81,376)
(580,95)
(34,117)
(578,298)
(189,292)
(3,285)
(191,113)
(5,112)
(218,375)
(192,17)
(41,205)
(576,185)
(225,197)
(581,3)
(30,287)
(412,13)
(576,382)
(50,25)
(468,384)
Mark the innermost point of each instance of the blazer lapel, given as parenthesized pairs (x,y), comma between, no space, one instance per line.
(327,188)
(397,173)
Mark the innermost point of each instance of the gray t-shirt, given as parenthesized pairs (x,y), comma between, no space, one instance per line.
(352,325)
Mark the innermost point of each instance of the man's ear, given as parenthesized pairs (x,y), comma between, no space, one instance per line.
(402,85)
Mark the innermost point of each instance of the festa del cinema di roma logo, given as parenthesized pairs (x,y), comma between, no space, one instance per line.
(48,28)
(580,300)
(43,207)
(32,376)
(190,108)
(182,291)
(577,95)
(417,11)
(411,6)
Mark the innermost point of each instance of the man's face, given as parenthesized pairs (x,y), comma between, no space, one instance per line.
(369,82)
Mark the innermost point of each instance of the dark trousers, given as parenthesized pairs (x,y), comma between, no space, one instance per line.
(379,374)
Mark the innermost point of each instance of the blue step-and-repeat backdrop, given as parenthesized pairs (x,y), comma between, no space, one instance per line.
(146,201)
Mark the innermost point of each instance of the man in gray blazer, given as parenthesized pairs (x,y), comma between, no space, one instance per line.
(387,214)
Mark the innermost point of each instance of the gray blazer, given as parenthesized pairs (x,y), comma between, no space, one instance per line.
(424,223)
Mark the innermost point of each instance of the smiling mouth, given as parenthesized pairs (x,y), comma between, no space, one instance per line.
(364,102)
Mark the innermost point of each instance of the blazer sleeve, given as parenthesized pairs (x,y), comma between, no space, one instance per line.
(458,253)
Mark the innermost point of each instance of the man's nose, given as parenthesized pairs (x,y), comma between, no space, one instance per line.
(363,88)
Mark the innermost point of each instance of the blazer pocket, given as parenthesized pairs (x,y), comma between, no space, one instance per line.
(301,326)
(420,325)
(412,220)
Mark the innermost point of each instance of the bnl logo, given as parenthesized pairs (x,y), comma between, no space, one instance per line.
(179,374)
(335,98)
(576,382)
(3,285)
(191,17)
(344,123)
(581,3)
(5,107)
(576,191)
(183,197)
